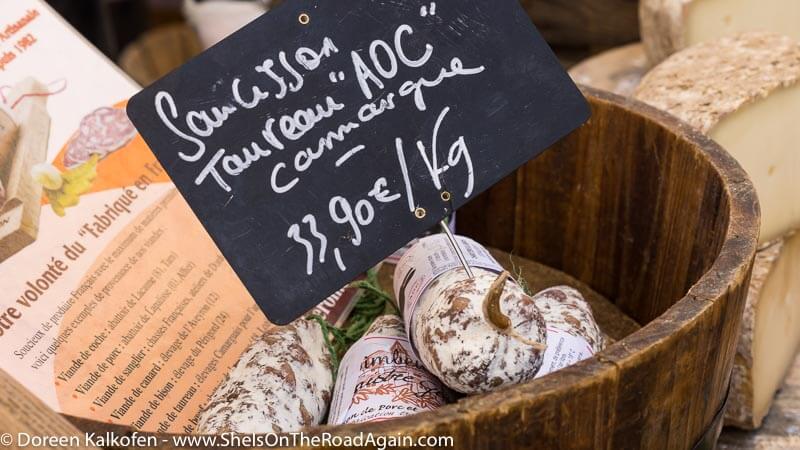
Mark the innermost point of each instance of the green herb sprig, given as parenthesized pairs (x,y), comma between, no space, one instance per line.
(373,302)
(519,278)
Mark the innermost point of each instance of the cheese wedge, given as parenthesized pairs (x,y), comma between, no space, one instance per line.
(770,336)
(667,26)
(618,70)
(744,92)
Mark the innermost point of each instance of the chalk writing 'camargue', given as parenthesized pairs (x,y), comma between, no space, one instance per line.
(305,158)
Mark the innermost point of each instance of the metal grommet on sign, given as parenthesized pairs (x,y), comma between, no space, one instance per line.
(420,213)
(304,18)
(446,196)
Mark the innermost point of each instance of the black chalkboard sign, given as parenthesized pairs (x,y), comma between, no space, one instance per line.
(325,135)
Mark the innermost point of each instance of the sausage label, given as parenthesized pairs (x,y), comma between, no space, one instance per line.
(563,349)
(381,378)
(427,260)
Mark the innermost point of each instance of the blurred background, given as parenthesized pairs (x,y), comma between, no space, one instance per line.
(113,24)
(155,34)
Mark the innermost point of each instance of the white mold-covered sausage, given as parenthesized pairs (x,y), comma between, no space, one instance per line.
(282,383)
(381,378)
(572,333)
(565,309)
(460,344)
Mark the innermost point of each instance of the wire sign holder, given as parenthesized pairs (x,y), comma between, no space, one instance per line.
(457,248)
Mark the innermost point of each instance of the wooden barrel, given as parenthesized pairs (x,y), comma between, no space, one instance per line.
(658,219)
(654,216)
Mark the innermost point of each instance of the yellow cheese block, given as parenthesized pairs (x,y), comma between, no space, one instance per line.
(765,138)
(770,333)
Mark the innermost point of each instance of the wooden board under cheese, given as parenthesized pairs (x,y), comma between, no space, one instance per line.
(19,217)
(744,93)
(780,426)
(667,26)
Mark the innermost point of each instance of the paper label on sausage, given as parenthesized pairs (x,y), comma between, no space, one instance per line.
(381,378)
(431,257)
(395,257)
(563,349)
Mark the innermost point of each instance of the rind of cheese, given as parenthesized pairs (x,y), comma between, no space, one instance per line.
(668,26)
(705,83)
(282,383)
(456,342)
(770,333)
(713,83)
